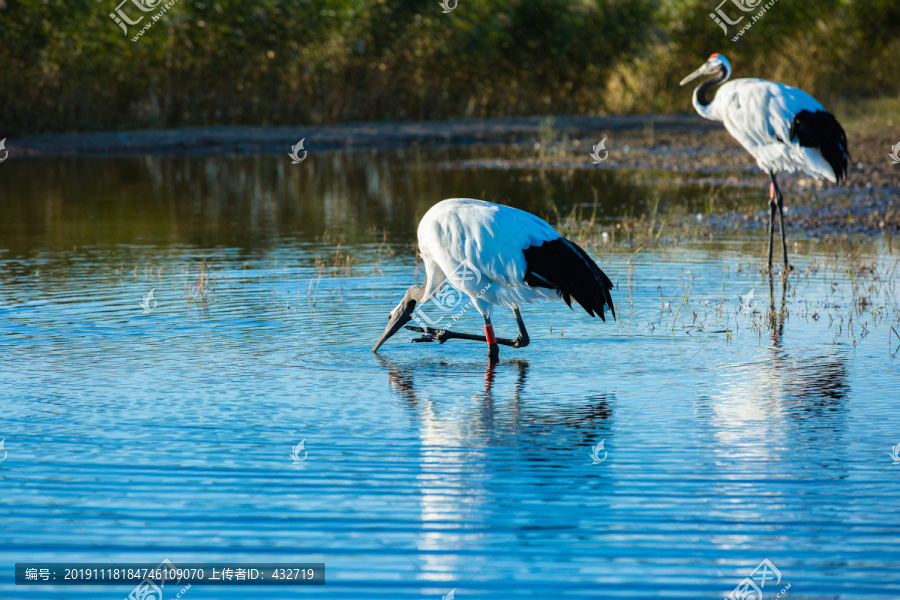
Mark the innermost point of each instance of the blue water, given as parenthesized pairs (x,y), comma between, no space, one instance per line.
(732,433)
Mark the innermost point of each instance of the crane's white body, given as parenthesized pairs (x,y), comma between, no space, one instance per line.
(477,246)
(498,255)
(758,114)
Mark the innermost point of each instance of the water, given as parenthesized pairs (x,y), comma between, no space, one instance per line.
(729,437)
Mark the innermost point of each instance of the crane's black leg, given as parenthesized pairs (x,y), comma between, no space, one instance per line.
(772,208)
(780,201)
(522,339)
(442,335)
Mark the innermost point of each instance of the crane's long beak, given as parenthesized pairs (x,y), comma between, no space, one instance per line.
(398,319)
(699,72)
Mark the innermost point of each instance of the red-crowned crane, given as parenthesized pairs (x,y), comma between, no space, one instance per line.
(498,255)
(785,129)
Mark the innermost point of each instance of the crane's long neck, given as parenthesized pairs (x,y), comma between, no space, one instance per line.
(416,292)
(701,102)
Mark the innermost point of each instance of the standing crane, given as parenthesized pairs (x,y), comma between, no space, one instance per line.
(785,129)
(498,255)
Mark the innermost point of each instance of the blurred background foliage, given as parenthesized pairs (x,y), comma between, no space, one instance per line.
(66,66)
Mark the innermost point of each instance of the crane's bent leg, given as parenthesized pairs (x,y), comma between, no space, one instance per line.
(780,201)
(772,208)
(442,335)
(522,339)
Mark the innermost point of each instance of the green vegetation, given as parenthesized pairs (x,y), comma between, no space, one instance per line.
(66,65)
(834,49)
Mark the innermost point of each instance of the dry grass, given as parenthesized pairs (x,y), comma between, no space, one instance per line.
(201,290)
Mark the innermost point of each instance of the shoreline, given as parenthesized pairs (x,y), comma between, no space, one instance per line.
(671,142)
(370,135)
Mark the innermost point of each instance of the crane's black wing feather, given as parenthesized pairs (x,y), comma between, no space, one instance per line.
(562,265)
(821,130)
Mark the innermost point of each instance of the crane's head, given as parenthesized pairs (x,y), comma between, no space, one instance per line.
(401,315)
(716,64)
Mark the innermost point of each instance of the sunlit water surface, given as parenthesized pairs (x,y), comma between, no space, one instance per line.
(731,434)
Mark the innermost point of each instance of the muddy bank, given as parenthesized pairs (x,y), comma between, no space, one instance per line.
(380,135)
(867,202)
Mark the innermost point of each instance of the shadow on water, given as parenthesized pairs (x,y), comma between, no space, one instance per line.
(817,383)
(492,441)
(788,392)
(497,414)
(816,386)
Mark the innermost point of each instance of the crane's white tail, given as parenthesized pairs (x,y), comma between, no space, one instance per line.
(563,266)
(821,130)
